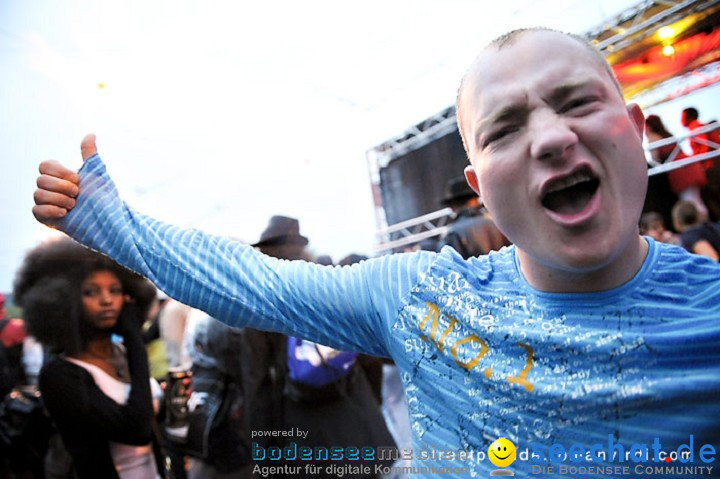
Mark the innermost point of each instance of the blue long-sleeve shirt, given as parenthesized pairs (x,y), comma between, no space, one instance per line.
(481,353)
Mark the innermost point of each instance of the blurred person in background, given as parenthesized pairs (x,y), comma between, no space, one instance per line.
(22,443)
(97,390)
(12,336)
(686,182)
(702,143)
(218,418)
(172,322)
(154,344)
(697,236)
(325,392)
(471,231)
(653,225)
(699,141)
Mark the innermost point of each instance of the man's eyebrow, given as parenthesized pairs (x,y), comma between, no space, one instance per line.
(562,92)
(509,111)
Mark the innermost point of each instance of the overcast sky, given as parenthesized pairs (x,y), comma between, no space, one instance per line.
(218,114)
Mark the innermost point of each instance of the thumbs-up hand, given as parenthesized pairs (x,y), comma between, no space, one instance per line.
(57,186)
(88,147)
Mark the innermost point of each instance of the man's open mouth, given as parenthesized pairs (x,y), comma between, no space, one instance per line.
(571,194)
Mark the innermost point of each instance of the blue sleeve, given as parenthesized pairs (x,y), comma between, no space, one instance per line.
(350,308)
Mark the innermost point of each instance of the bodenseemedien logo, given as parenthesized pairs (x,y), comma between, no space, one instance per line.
(502,453)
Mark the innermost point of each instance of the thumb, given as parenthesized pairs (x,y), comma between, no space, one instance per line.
(88,147)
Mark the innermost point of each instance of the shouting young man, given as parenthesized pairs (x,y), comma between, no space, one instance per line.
(583,338)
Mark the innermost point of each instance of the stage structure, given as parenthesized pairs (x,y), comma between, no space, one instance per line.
(656,47)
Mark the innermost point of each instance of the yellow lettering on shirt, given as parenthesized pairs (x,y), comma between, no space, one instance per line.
(521,379)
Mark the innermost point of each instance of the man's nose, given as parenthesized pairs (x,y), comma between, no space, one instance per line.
(551,136)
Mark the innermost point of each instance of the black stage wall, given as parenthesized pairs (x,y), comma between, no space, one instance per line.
(413,184)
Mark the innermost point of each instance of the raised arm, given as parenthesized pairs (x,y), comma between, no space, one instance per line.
(349,308)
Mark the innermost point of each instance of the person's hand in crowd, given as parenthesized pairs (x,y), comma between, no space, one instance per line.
(129,321)
(58,186)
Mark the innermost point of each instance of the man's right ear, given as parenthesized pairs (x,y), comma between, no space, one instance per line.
(638,118)
(472,180)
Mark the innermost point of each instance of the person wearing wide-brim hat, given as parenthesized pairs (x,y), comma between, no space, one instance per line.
(472,232)
(281,230)
(458,193)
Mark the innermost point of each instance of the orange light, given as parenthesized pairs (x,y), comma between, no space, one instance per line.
(668,50)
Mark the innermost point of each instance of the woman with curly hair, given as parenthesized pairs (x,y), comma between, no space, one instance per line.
(97,391)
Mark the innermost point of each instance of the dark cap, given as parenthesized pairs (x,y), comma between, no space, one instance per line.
(282,230)
(457,189)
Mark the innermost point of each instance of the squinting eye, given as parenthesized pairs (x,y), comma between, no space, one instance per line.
(499,135)
(577,103)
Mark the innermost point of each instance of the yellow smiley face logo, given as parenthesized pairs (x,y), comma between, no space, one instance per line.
(502,452)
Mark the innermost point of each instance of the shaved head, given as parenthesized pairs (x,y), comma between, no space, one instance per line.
(507,40)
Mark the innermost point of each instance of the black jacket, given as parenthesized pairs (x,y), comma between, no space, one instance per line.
(88,419)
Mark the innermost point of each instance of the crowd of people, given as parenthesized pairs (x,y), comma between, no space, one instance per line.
(547,318)
(685,208)
(104,380)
